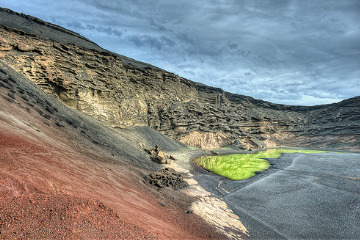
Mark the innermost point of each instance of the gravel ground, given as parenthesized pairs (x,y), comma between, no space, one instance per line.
(63,217)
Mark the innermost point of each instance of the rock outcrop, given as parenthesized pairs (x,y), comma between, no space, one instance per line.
(122,92)
(166,177)
(206,140)
(158,156)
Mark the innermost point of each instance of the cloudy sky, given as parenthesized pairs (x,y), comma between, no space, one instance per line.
(302,52)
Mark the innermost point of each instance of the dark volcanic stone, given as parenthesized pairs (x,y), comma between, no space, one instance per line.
(9,99)
(58,124)
(11,95)
(5,80)
(46,116)
(12,80)
(166,177)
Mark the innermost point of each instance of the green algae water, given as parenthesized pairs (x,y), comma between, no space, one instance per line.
(243,166)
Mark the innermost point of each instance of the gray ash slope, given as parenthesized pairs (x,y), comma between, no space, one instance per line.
(130,93)
(126,144)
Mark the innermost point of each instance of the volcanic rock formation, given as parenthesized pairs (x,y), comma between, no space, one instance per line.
(122,92)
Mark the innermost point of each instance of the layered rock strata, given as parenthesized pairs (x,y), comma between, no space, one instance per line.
(124,93)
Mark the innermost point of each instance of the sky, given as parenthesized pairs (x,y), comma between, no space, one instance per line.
(295,52)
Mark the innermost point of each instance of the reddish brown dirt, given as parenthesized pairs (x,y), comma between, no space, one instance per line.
(48,173)
(63,217)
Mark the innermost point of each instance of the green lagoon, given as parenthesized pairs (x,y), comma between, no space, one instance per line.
(243,166)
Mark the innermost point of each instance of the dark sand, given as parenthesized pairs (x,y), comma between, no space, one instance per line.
(302,196)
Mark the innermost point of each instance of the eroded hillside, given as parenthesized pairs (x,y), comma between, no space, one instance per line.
(65,175)
(124,93)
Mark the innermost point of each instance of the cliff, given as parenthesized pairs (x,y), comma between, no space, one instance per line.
(122,92)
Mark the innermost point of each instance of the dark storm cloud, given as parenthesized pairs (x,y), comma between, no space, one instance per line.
(285,51)
(90,27)
(149,41)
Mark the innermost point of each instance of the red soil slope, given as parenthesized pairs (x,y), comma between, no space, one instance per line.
(55,183)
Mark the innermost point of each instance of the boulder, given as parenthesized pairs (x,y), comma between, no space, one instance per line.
(25,47)
(166,177)
(158,156)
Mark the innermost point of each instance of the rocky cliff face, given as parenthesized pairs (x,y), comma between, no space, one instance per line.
(122,92)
